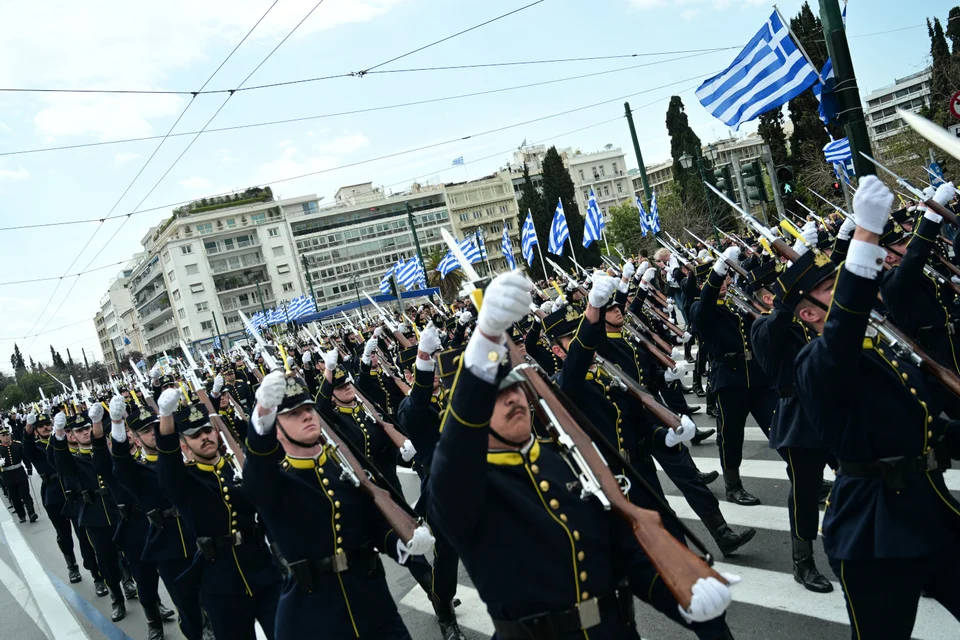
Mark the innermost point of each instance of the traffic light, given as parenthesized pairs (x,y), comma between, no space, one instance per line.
(837,190)
(785,182)
(721,175)
(752,173)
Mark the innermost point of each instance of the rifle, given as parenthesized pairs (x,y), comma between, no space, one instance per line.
(391,432)
(740,271)
(948,215)
(394,329)
(630,386)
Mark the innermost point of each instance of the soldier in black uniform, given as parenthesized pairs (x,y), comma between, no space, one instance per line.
(170,543)
(378,387)
(233,568)
(891,526)
(327,529)
(237,387)
(98,512)
(740,384)
(14,476)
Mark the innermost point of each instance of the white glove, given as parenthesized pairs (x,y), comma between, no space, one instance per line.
(407,451)
(929,192)
(945,193)
(809,232)
(370,347)
(547,307)
(270,392)
(558,304)
(505,301)
(847,228)
(465,318)
(429,340)
(872,204)
(95,412)
(330,359)
(642,269)
(307,358)
(683,433)
(421,542)
(677,354)
(59,422)
(155,372)
(31,418)
(217,385)
(649,275)
(118,409)
(378,332)
(710,598)
(571,286)
(602,291)
(291,362)
(168,401)
(677,373)
(629,270)
(685,338)
(704,256)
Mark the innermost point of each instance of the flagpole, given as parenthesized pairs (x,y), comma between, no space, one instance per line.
(546,276)
(796,41)
(573,256)
(605,243)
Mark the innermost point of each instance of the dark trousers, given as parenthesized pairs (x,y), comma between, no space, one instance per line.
(682,471)
(733,405)
(882,595)
(187,601)
(232,616)
(131,538)
(87,553)
(641,497)
(108,557)
(805,470)
(61,524)
(18,491)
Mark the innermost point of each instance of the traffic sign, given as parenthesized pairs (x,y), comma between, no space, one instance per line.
(955,105)
(936,172)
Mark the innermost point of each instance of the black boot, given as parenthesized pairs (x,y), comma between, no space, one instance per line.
(700,436)
(707,478)
(712,405)
(687,353)
(100,587)
(118,610)
(698,388)
(129,585)
(165,614)
(805,571)
(447,619)
(154,623)
(23,519)
(735,491)
(34,517)
(726,538)
(73,573)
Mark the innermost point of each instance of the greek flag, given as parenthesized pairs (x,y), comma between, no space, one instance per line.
(837,151)
(644,223)
(528,238)
(458,161)
(470,252)
(559,233)
(411,274)
(769,72)
(825,92)
(593,226)
(216,343)
(654,214)
(299,307)
(507,248)
(385,282)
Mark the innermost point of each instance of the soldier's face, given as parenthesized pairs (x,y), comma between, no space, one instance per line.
(723,287)
(43,430)
(895,252)
(82,436)
(613,317)
(511,417)
(203,444)
(147,438)
(302,424)
(812,314)
(345,394)
(6,439)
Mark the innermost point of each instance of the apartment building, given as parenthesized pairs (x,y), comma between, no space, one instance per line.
(486,206)
(213,258)
(606,173)
(910,93)
(115,341)
(349,245)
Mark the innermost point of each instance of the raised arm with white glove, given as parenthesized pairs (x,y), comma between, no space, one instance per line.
(269,396)
(602,290)
(505,301)
(118,412)
(847,228)
(368,348)
(168,402)
(731,255)
(59,422)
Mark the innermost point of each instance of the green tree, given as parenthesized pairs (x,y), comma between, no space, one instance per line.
(623,228)
(11,396)
(558,186)
(943,71)
(808,130)
(57,359)
(953,29)
(17,361)
(449,286)
(532,201)
(771,130)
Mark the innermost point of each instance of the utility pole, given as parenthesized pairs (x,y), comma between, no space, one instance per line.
(260,296)
(636,149)
(216,328)
(313,294)
(767,156)
(848,97)
(356,289)
(735,161)
(416,238)
(85,363)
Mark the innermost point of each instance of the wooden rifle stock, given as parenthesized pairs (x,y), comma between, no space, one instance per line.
(677,565)
(401,339)
(661,343)
(664,416)
(948,215)
(236,407)
(664,318)
(661,357)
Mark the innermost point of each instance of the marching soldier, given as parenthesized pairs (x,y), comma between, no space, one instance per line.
(14,476)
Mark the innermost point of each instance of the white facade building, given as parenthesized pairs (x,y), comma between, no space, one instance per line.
(910,94)
(606,173)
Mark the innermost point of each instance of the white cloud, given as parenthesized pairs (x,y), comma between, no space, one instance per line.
(284,143)
(689,14)
(106,117)
(4,128)
(14,174)
(125,157)
(226,157)
(292,163)
(343,144)
(195,182)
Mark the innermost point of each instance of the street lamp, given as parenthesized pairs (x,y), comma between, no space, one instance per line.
(686,161)
(356,288)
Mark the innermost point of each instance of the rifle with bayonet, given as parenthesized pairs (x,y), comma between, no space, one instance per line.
(394,329)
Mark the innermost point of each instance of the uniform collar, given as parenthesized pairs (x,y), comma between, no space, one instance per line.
(307,463)
(212,467)
(43,441)
(85,452)
(514,458)
(150,457)
(617,335)
(354,410)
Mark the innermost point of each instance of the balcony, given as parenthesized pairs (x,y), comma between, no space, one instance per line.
(236,263)
(252,301)
(147,277)
(159,328)
(231,245)
(248,279)
(164,341)
(149,295)
(156,312)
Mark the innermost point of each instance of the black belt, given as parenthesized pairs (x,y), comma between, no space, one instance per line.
(585,615)
(735,358)
(158,516)
(88,494)
(306,572)
(891,470)
(50,477)
(127,510)
(209,546)
(70,494)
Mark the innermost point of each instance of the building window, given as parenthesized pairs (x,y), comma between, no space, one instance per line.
(274,232)
(205,228)
(166,257)
(614,168)
(309,207)
(581,176)
(196,288)
(186,332)
(586,195)
(206,325)
(476,215)
(186,249)
(593,170)
(619,188)
(192,269)
(283,268)
(606,190)
(503,208)
(288,286)
(171,276)
(202,306)
(464,217)
(601,171)
(278,251)
(176,294)
(231,223)
(258,218)
(182,313)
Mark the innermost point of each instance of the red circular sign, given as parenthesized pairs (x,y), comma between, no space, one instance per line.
(955,105)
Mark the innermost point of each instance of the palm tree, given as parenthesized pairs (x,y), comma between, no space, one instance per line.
(449,286)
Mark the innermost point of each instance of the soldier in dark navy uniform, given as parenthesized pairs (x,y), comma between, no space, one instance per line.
(891,527)
(232,568)
(540,556)
(378,387)
(328,531)
(13,475)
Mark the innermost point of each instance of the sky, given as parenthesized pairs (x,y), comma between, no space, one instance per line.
(176,45)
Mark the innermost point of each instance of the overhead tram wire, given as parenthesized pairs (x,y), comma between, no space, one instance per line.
(136,177)
(364,110)
(187,148)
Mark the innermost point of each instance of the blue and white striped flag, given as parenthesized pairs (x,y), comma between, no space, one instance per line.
(644,223)
(769,72)
(457,161)
(837,151)
(825,92)
(507,247)
(299,307)
(654,214)
(411,274)
(385,282)
(448,264)
(559,233)
(470,251)
(216,343)
(593,225)
(528,238)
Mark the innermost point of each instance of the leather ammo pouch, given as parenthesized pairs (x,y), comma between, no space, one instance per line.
(211,546)
(892,470)
(158,516)
(88,494)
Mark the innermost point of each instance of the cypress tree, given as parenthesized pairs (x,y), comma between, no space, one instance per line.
(532,201)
